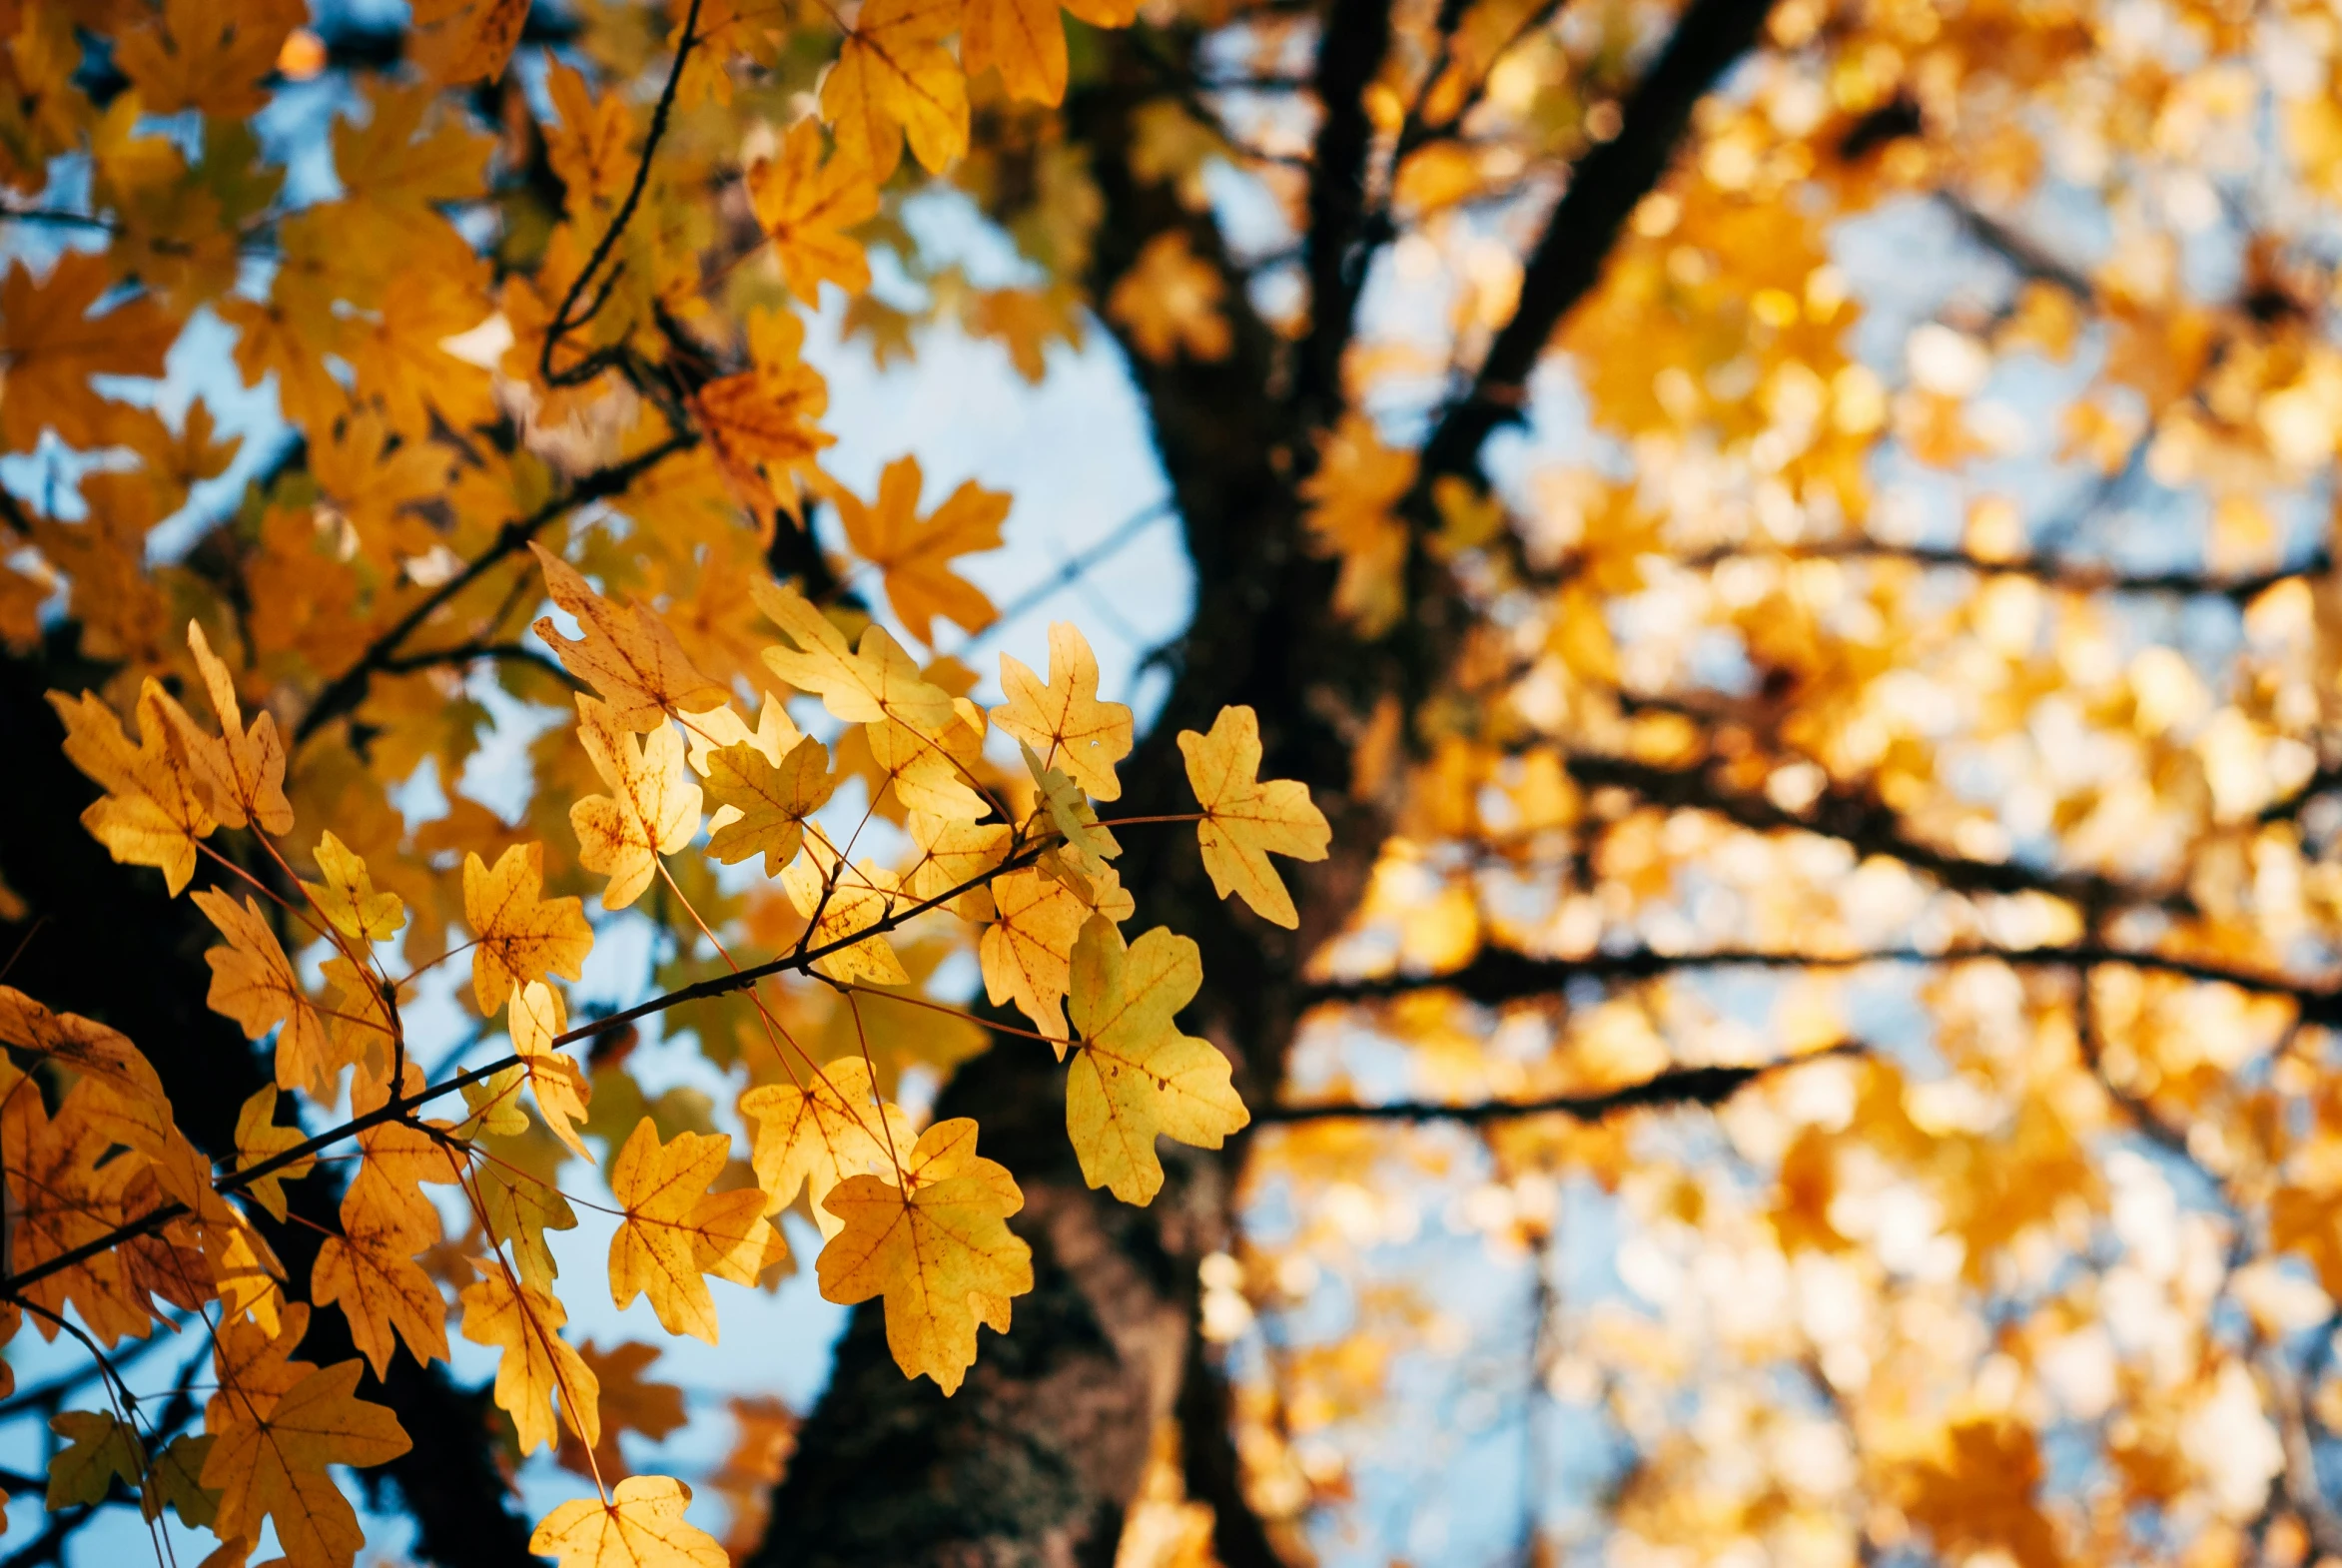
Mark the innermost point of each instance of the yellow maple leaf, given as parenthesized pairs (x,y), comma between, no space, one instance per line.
(841,900)
(938,1247)
(1135,1075)
(1028,950)
(915,557)
(1063,719)
(259,1137)
(1025,40)
(349,897)
(458,41)
(1245,819)
(244,768)
(156,804)
(760,424)
(88,1047)
(1353,495)
(859,687)
(675,1229)
(1170,300)
(806,204)
(524,1323)
(277,1425)
(370,1269)
(536,1015)
(652,810)
(51,347)
(641,1526)
(766,804)
(628,655)
(199,55)
(520,935)
(952,853)
(816,1135)
(253,983)
(894,76)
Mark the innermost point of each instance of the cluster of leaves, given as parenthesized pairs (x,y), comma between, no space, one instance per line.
(399,548)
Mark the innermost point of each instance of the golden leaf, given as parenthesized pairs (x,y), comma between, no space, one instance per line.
(1135,1075)
(817,1135)
(915,557)
(157,803)
(676,1229)
(654,810)
(641,1526)
(1244,819)
(766,804)
(520,936)
(938,1248)
(524,1323)
(1064,720)
(806,206)
(628,655)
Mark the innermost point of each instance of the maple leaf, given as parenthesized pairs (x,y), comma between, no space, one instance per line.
(1028,950)
(806,204)
(519,935)
(816,1135)
(938,1248)
(767,804)
(914,556)
(859,687)
(459,41)
(842,900)
(641,1526)
(277,1425)
(676,1229)
(245,769)
(259,1137)
(253,983)
(50,345)
(536,1017)
(1244,819)
(952,853)
(88,1047)
(199,55)
(370,1269)
(1062,720)
(1135,1075)
(629,1403)
(760,424)
(525,1322)
(893,76)
(348,898)
(392,169)
(98,1447)
(157,805)
(1353,498)
(1170,302)
(628,655)
(1026,43)
(654,810)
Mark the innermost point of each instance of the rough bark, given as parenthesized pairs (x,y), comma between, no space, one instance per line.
(111,945)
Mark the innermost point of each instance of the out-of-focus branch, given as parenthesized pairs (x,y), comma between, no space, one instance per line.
(1336,246)
(1497,976)
(2073,576)
(346,691)
(1604,189)
(1677,1087)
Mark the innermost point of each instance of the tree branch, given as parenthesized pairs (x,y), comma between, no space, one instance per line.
(346,691)
(1604,189)
(1498,976)
(1336,246)
(1677,1087)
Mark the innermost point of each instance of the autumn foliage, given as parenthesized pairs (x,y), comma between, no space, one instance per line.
(1811,867)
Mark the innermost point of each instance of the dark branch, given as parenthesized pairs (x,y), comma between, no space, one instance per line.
(2075,577)
(347,690)
(563,323)
(1677,1087)
(1337,248)
(1604,189)
(1498,976)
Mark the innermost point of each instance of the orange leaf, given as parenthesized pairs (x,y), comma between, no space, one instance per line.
(1244,819)
(676,1229)
(521,937)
